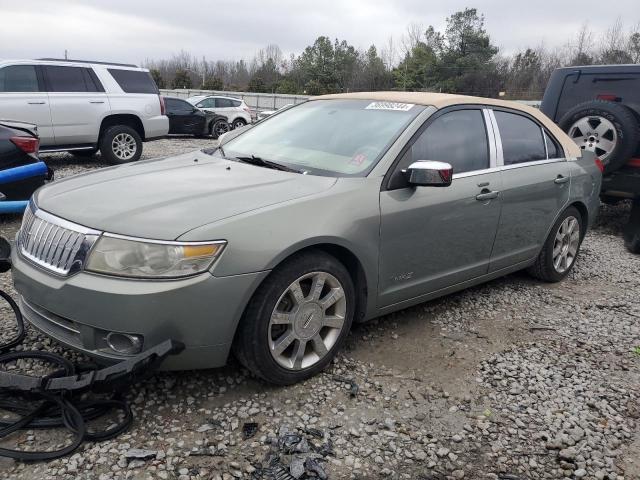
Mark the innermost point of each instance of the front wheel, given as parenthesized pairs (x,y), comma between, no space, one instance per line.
(560,250)
(297,320)
(218,128)
(120,144)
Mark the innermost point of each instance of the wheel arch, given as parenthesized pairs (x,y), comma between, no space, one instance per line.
(128,119)
(584,213)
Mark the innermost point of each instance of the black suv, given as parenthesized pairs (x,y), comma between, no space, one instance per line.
(599,108)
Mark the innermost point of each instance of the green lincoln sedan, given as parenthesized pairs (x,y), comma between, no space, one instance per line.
(270,244)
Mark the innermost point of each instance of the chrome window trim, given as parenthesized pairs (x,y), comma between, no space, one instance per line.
(534,163)
(491,138)
(163,242)
(498,139)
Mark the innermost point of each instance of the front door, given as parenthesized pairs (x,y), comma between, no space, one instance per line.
(23,98)
(432,238)
(536,180)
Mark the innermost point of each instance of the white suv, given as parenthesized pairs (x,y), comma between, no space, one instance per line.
(83,106)
(237,112)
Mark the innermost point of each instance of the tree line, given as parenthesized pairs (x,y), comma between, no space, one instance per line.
(461,58)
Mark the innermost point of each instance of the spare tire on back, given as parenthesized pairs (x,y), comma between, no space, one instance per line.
(608,129)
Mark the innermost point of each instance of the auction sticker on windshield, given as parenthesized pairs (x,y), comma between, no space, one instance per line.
(400,107)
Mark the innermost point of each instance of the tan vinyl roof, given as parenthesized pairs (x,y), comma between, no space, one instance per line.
(441,100)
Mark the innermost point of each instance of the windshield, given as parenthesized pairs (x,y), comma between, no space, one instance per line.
(326,137)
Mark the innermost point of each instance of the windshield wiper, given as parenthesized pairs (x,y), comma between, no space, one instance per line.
(260,162)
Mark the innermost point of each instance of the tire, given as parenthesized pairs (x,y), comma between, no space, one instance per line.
(625,133)
(218,128)
(257,337)
(238,123)
(130,145)
(544,267)
(84,153)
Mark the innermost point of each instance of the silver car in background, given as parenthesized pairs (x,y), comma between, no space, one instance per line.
(340,209)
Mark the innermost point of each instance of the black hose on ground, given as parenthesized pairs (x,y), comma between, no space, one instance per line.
(40,403)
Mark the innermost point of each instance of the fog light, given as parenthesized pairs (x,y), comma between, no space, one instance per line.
(124,343)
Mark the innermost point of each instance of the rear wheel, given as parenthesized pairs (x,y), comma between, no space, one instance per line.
(239,123)
(560,250)
(605,128)
(120,144)
(297,320)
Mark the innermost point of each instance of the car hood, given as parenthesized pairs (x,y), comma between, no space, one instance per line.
(163,199)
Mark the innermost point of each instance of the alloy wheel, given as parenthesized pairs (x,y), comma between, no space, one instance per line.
(221,128)
(124,146)
(239,124)
(307,320)
(566,243)
(595,134)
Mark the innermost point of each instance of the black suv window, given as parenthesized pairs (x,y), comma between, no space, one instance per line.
(19,78)
(178,106)
(521,138)
(134,81)
(70,79)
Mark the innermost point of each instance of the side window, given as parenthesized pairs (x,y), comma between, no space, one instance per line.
(553,148)
(521,138)
(223,103)
(236,103)
(65,79)
(207,103)
(134,81)
(19,78)
(183,107)
(458,138)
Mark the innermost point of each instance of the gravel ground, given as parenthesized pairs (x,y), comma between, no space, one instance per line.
(511,380)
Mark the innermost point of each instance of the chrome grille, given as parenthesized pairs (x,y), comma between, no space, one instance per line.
(53,243)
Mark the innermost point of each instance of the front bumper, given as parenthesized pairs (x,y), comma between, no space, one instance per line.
(202,312)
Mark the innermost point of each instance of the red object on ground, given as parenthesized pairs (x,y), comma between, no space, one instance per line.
(634,162)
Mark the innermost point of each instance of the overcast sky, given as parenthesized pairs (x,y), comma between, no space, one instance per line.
(133,30)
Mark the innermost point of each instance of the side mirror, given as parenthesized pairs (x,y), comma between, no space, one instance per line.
(427,173)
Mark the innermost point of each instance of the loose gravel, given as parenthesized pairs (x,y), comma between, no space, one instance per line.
(511,380)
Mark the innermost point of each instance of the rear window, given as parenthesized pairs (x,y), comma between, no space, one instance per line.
(18,78)
(133,81)
(71,79)
(521,138)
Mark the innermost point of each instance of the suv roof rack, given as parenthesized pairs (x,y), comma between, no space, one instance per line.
(87,61)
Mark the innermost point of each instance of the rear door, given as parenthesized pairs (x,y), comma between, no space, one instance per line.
(23,98)
(535,186)
(433,238)
(78,103)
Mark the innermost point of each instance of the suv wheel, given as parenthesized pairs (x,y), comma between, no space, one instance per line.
(120,144)
(608,129)
(239,123)
(218,128)
(560,250)
(297,320)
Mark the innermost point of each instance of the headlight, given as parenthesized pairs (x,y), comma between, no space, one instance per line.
(113,255)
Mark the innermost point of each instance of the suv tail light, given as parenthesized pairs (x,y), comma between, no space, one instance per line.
(599,164)
(28,145)
(162,106)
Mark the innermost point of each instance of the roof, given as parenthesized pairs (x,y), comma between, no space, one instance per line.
(442,100)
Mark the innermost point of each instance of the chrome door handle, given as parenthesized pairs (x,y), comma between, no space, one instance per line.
(560,180)
(487,195)
(100,101)
(35,103)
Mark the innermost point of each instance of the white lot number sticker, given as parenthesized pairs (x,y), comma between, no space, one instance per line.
(398,107)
